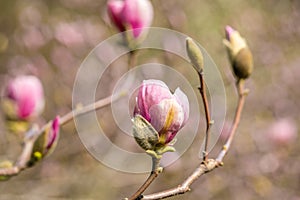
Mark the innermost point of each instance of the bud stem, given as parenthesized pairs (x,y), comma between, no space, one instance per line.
(156,169)
(242,92)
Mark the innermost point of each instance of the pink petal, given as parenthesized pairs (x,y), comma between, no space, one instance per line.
(114,8)
(137,14)
(27,92)
(228,31)
(183,102)
(150,93)
(53,134)
(167,118)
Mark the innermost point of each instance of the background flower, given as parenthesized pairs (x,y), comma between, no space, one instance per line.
(130,15)
(25,97)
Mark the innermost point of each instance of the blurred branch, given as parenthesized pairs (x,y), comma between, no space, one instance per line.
(23,160)
(209,164)
(95,106)
(132,59)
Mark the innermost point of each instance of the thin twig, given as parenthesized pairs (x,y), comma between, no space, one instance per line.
(210,164)
(91,107)
(202,90)
(242,96)
(132,59)
(154,173)
(22,162)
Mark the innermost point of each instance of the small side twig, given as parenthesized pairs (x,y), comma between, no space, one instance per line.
(80,111)
(242,96)
(202,90)
(22,162)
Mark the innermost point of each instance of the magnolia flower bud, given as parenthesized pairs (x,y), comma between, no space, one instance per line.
(239,53)
(159,114)
(131,15)
(194,54)
(24,98)
(46,142)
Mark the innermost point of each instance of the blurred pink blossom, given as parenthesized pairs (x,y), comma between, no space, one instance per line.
(69,34)
(130,14)
(283,132)
(26,97)
(166,112)
(33,38)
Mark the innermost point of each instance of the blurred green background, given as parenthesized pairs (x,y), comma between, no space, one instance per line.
(51,38)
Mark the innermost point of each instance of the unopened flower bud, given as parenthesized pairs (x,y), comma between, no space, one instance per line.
(24,98)
(239,53)
(46,142)
(132,15)
(159,114)
(194,54)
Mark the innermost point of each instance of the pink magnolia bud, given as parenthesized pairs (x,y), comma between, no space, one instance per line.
(46,142)
(130,14)
(239,53)
(24,98)
(165,111)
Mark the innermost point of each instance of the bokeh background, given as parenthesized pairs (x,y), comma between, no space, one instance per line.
(50,39)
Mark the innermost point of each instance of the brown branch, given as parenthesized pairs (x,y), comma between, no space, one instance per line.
(154,173)
(24,158)
(204,167)
(202,90)
(242,96)
(80,111)
(209,164)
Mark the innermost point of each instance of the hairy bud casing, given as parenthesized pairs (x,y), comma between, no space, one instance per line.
(194,54)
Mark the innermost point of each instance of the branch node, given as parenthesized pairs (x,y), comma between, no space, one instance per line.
(224,148)
(245,92)
(221,164)
(204,153)
(159,170)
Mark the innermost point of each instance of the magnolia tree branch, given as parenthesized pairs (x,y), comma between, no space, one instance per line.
(209,164)
(33,133)
(154,173)
(209,122)
(242,97)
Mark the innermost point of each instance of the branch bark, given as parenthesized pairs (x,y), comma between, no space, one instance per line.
(202,90)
